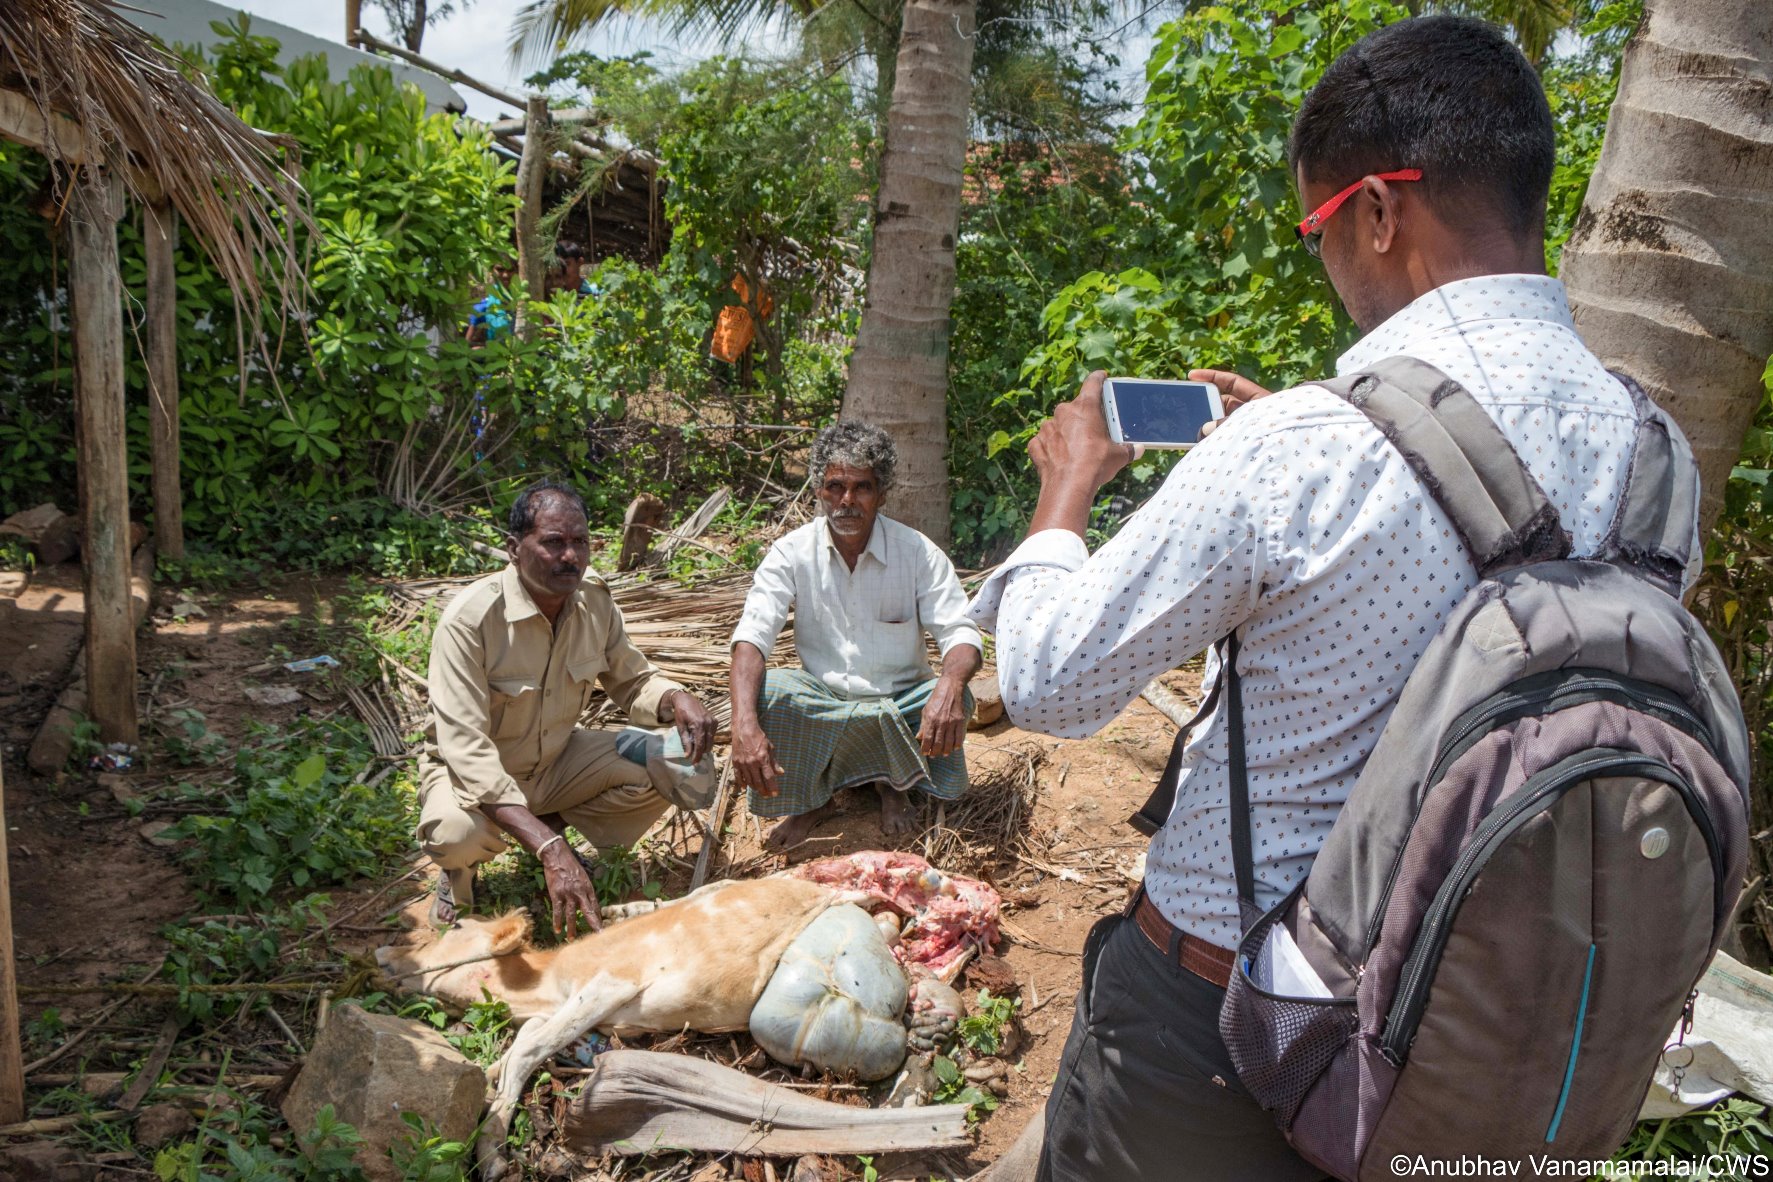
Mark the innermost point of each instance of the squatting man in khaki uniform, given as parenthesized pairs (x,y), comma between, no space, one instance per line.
(512,667)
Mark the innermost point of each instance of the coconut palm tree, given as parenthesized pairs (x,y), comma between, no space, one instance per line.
(898,375)
(1670,266)
(923,53)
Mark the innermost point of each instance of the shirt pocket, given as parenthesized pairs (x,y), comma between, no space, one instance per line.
(516,706)
(581,678)
(897,609)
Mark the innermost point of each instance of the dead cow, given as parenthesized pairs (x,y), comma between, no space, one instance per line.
(808,972)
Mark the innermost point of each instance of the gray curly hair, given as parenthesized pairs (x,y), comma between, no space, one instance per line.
(856,444)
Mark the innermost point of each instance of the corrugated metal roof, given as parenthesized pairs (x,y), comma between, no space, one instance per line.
(186,22)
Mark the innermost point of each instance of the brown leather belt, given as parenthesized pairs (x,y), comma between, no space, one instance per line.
(1209,962)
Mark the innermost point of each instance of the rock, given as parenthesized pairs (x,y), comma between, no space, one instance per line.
(372,1068)
(119,787)
(814,1167)
(52,533)
(101,1085)
(162,1124)
(13,584)
(43,1161)
(987,700)
(154,833)
(556,1163)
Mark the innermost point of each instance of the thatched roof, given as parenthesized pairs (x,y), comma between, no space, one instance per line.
(85,86)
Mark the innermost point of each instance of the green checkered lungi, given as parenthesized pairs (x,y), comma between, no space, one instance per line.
(824,742)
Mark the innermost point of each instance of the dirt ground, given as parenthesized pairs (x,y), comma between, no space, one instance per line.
(90,891)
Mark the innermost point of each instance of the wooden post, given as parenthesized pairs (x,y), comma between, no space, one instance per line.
(353,19)
(159,227)
(12,1059)
(103,453)
(532,170)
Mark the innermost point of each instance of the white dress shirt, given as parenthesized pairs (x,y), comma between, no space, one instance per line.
(1298,523)
(860,632)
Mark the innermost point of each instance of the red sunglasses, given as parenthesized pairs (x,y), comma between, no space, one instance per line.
(1311,231)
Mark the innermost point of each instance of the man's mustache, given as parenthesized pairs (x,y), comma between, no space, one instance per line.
(846,513)
(566,570)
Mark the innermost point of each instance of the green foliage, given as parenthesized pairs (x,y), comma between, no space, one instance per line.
(296,816)
(239,1142)
(46,1029)
(427,1156)
(1202,268)
(339,447)
(1731,1133)
(206,951)
(15,554)
(618,874)
(480,1034)
(1580,89)
(952,1088)
(983,1030)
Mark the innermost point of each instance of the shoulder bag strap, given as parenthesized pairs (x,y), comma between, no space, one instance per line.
(1501,514)
(1652,531)
(1156,809)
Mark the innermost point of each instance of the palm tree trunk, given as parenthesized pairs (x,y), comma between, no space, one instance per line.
(1670,267)
(898,376)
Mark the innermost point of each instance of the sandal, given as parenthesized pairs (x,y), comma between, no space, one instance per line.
(455,894)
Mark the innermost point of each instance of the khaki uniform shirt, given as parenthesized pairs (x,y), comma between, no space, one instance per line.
(507,689)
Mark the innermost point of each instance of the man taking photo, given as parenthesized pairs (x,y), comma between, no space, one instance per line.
(1422,160)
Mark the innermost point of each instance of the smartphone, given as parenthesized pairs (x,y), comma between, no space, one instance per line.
(1159,413)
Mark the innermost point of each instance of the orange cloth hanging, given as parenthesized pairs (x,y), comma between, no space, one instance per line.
(734,330)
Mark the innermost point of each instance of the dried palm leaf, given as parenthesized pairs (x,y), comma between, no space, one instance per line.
(165,136)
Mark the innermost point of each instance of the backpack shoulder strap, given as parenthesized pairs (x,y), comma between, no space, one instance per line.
(1652,530)
(1472,471)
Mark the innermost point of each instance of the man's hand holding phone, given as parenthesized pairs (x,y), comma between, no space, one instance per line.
(1234,391)
(1074,454)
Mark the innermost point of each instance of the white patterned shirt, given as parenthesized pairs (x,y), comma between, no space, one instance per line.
(1297,523)
(860,632)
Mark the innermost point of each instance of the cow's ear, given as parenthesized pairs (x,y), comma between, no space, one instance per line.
(509,933)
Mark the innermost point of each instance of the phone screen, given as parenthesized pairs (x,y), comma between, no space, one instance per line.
(1162,412)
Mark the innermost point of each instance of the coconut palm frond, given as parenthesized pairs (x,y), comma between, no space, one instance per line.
(162,134)
(543,28)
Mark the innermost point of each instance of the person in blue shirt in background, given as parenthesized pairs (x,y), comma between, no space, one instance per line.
(491,318)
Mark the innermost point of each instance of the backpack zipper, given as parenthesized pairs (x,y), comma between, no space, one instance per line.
(1540,792)
(1622,691)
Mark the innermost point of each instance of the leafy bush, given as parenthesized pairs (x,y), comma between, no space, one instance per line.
(297,816)
(1732,1133)
(984,1029)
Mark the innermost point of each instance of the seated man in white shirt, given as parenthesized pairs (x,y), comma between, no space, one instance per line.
(866,708)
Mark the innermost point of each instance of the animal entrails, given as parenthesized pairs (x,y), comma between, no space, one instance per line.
(700,962)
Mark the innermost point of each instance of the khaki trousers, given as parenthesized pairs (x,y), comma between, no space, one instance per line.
(608,799)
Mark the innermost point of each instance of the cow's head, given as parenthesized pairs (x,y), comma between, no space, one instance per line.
(461,963)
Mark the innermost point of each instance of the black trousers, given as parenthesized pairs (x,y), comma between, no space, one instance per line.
(1146,1090)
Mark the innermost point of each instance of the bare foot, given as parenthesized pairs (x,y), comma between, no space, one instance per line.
(796,829)
(897,817)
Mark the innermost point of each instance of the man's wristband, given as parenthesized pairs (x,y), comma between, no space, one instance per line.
(549,842)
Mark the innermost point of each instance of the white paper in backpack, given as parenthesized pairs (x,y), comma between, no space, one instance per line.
(1282,968)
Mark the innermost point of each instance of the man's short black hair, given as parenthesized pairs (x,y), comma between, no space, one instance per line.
(568,249)
(523,509)
(1447,94)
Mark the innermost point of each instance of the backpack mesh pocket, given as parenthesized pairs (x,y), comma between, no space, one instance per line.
(1280,1044)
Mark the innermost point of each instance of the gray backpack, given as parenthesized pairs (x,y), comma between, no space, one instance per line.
(1543,851)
